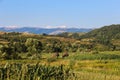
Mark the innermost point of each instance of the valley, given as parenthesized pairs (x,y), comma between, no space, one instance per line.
(95,54)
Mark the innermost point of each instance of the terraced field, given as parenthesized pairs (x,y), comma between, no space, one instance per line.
(81,66)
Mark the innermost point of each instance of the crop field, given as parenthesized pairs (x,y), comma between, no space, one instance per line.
(77,66)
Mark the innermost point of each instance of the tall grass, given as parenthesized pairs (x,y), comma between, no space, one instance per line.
(18,71)
(78,66)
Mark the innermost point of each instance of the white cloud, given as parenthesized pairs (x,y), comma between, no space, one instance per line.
(11,27)
(49,27)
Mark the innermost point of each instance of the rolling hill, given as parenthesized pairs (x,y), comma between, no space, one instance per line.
(108,32)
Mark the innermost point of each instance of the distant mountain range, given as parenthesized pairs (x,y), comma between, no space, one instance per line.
(51,31)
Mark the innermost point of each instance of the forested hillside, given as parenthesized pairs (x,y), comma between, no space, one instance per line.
(109,32)
(107,36)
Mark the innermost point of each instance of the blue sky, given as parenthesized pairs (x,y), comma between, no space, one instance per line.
(59,13)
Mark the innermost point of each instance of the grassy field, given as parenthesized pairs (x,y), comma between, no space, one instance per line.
(85,66)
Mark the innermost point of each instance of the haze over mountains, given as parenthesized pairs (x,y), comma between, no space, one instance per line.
(43,30)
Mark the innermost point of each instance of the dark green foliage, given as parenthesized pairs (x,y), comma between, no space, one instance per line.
(19,47)
(8,53)
(65,34)
(75,35)
(53,45)
(6,49)
(44,34)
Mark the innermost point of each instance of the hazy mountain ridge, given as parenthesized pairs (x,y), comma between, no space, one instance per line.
(44,30)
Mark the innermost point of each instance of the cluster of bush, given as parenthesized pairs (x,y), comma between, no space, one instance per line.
(37,44)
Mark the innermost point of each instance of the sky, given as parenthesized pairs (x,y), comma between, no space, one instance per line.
(59,13)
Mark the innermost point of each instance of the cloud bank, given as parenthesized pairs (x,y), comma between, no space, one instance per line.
(11,27)
(49,27)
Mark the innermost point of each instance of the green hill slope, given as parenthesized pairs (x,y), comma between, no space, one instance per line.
(109,32)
